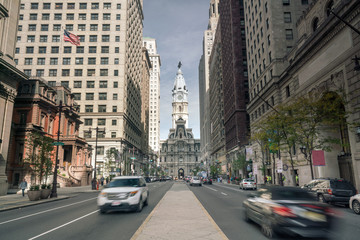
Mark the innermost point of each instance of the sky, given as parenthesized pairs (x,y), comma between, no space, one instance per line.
(178,27)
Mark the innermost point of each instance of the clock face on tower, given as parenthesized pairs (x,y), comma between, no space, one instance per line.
(180,97)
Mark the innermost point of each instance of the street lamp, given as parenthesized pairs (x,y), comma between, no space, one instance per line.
(96,141)
(54,188)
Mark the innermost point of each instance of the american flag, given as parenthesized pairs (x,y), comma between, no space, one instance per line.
(72,38)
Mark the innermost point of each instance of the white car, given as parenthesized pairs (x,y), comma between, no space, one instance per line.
(354,203)
(247,184)
(124,193)
(195,181)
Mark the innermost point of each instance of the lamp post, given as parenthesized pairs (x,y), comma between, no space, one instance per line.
(96,141)
(54,188)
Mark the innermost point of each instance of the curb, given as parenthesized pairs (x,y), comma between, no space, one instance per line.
(34,203)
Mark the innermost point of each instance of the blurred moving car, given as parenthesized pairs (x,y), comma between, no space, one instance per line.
(195,181)
(331,190)
(354,203)
(124,193)
(248,184)
(288,210)
(207,180)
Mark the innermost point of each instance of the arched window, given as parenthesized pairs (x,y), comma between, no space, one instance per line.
(329,6)
(179,108)
(315,24)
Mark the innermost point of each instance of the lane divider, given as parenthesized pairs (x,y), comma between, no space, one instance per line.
(49,210)
(223,193)
(211,188)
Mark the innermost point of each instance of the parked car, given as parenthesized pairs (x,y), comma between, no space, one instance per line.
(148,179)
(247,184)
(207,180)
(162,179)
(354,203)
(331,190)
(124,193)
(195,181)
(288,210)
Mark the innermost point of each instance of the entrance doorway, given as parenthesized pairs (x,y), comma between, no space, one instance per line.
(346,168)
(181,173)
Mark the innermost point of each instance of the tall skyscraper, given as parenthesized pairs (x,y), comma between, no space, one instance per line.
(104,71)
(154,116)
(205,125)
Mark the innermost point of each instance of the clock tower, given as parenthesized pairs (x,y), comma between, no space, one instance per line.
(180,99)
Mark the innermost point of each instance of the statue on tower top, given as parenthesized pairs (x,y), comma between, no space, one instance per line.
(179,65)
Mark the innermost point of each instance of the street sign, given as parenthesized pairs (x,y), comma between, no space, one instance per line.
(58,143)
(133,158)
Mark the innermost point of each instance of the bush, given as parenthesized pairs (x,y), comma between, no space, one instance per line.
(48,186)
(43,186)
(35,188)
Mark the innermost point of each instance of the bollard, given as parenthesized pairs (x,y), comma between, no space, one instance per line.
(97,186)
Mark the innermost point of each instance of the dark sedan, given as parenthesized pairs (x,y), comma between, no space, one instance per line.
(288,210)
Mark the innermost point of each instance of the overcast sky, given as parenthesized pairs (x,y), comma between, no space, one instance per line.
(178,27)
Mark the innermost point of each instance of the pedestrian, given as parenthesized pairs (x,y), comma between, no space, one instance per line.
(102,181)
(270,179)
(283,179)
(107,180)
(23,186)
(297,180)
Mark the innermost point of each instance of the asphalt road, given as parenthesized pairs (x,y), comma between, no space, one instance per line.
(224,204)
(76,218)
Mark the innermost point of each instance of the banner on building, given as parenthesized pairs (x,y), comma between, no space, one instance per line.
(249,153)
(318,158)
(255,169)
(279,166)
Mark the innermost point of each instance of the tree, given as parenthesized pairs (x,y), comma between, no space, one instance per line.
(112,155)
(39,154)
(240,162)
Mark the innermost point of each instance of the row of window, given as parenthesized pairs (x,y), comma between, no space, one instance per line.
(101,108)
(69,27)
(89,84)
(67,61)
(66,72)
(68,49)
(90,96)
(100,122)
(46,5)
(69,16)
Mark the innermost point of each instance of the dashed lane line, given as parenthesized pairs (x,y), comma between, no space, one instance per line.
(223,193)
(211,189)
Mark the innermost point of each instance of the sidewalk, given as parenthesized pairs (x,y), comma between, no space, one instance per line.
(13,201)
(180,215)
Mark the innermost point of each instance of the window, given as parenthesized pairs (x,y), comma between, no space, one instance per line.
(304,2)
(106,16)
(30,38)
(52,72)
(102,96)
(70,16)
(100,150)
(115,96)
(118,6)
(89,108)
(117,38)
(118,17)
(116,61)
(34,6)
(80,50)
(22,6)
(46,5)
(93,27)
(90,84)
(78,72)
(81,38)
(77,84)
(289,34)
(81,27)
(91,61)
(94,5)
(44,27)
(71,6)
(104,49)
(93,38)
(54,49)
(113,134)
(113,122)
(82,16)
(287,91)
(114,108)
(45,16)
(56,27)
(83,5)
(32,27)
(117,49)
(40,72)
(91,72)
(116,72)
(102,108)
(315,24)
(42,50)
(58,16)
(27,72)
(29,49)
(28,61)
(65,72)
(67,49)
(287,17)
(79,61)
(286,2)
(89,96)
(94,16)
(107,5)
(88,122)
(33,16)
(56,38)
(101,121)
(106,27)
(104,61)
(104,72)
(103,84)
(69,27)
(117,28)
(105,38)
(41,61)
(58,5)
(92,49)
(115,85)
(87,134)
(66,61)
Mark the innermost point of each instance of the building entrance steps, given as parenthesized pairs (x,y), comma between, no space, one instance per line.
(179,215)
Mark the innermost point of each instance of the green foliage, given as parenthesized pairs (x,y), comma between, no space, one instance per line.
(43,186)
(109,162)
(39,153)
(34,188)
(239,163)
(215,170)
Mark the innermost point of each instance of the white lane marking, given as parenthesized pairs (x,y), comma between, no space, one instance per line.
(51,230)
(211,188)
(12,220)
(223,193)
(238,190)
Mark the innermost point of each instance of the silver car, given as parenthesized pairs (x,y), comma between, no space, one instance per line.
(124,193)
(247,184)
(354,203)
(195,181)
